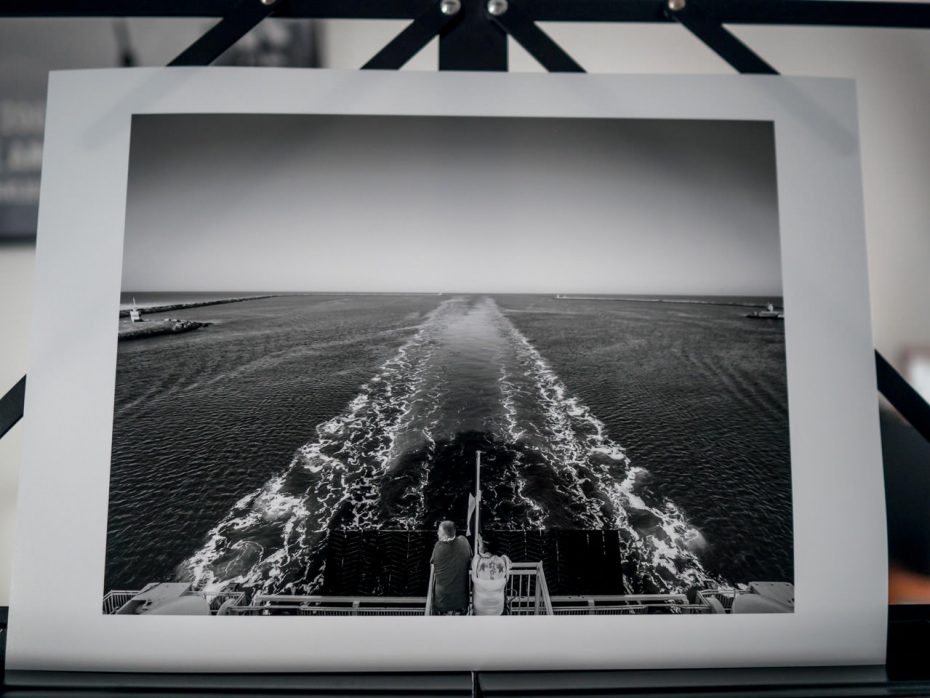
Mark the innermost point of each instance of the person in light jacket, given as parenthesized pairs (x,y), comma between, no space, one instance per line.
(489,573)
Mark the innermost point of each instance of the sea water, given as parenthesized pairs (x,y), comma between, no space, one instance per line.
(237,447)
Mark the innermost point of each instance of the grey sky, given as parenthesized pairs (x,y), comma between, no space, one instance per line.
(387,203)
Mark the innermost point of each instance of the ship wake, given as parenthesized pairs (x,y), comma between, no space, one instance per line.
(401,456)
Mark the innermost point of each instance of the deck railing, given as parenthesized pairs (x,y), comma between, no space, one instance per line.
(113,601)
(286,604)
(726,597)
(527,593)
(217,599)
(543,591)
(626,604)
(428,611)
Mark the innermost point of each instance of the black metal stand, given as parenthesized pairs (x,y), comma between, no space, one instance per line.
(799,682)
(473,36)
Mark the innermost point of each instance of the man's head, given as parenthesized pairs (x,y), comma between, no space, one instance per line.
(446,530)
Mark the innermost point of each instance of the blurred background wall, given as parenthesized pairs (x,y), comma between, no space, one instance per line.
(891,66)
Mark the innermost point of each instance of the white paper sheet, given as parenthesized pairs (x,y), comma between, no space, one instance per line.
(839,526)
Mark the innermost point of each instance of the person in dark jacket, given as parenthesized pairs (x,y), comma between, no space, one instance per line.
(451,561)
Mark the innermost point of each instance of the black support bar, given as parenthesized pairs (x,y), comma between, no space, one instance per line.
(537,43)
(709,30)
(240,20)
(822,12)
(293,9)
(902,396)
(11,406)
(474,42)
(850,13)
(415,36)
(853,13)
(472,37)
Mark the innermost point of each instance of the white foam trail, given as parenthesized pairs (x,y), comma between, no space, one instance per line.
(337,473)
(535,514)
(335,479)
(587,454)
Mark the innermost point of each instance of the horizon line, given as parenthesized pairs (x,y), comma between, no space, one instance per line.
(460,293)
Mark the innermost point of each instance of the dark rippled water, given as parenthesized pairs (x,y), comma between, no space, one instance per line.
(236,447)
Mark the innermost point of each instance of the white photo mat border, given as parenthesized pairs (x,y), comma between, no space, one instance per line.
(838,494)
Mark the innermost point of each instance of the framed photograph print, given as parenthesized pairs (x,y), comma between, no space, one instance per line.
(393,371)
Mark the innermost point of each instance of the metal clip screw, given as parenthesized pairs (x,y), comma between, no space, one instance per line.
(676,5)
(450,7)
(497,7)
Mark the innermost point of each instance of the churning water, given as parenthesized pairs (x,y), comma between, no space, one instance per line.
(238,447)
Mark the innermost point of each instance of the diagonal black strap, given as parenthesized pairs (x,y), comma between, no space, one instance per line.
(848,13)
(860,13)
(247,13)
(721,41)
(236,24)
(415,36)
(902,396)
(537,43)
(891,384)
(854,13)
(11,406)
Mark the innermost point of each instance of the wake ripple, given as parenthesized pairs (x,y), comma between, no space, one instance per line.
(660,542)
(271,539)
(562,470)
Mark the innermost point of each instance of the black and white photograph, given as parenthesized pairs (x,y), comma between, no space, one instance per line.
(379,365)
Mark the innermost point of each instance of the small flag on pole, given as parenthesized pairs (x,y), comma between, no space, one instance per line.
(471,511)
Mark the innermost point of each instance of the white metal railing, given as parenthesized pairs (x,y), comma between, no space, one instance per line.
(542,588)
(114,600)
(624,604)
(726,597)
(217,599)
(527,593)
(630,604)
(287,604)
(428,611)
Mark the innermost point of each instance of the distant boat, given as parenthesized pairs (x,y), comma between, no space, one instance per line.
(768,314)
(134,314)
